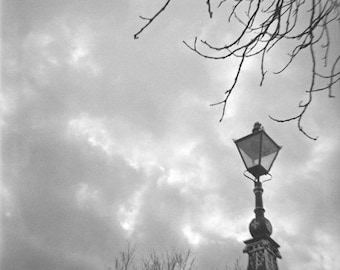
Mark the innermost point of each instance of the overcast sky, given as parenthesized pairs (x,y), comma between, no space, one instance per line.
(108,140)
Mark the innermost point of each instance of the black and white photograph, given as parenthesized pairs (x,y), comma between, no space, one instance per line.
(170,135)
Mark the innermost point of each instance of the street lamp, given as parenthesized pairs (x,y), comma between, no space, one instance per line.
(258,152)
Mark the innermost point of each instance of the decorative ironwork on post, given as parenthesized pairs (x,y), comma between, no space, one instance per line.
(263,254)
(258,152)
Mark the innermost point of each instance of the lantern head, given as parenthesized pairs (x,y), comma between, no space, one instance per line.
(258,151)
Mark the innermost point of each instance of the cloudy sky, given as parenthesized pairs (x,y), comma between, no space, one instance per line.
(108,140)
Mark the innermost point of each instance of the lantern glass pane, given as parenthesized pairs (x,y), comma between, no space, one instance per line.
(269,151)
(249,148)
(267,161)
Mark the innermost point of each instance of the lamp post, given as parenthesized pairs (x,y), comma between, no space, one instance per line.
(258,152)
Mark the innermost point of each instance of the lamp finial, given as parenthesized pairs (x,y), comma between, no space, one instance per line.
(257,127)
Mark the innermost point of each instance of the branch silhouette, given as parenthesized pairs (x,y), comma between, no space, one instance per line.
(266,24)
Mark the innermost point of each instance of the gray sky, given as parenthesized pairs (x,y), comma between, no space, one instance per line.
(108,140)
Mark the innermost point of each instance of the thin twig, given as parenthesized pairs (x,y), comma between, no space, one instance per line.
(150,20)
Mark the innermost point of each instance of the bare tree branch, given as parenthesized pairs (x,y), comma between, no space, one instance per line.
(209,9)
(150,20)
(266,24)
(126,258)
